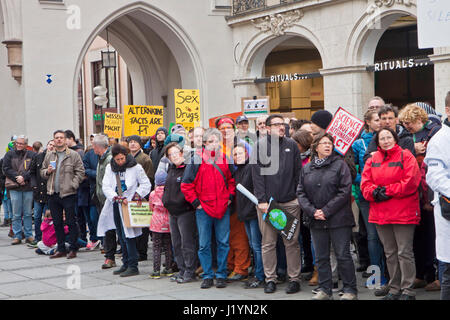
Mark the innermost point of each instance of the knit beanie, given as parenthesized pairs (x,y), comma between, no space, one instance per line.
(175,138)
(322,118)
(160,178)
(135,138)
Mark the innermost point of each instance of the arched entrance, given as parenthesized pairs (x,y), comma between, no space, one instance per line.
(159,57)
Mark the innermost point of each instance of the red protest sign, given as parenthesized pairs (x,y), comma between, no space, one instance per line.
(344,128)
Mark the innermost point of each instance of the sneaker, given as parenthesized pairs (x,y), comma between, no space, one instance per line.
(39,251)
(182,280)
(155,275)
(236,277)
(221,283)
(32,245)
(253,284)
(433,286)
(321,296)
(129,273)
(175,278)
(30,240)
(384,290)
(10,234)
(270,287)
(120,270)
(207,283)
(167,272)
(108,264)
(341,292)
(349,296)
(407,297)
(391,296)
(16,241)
(92,245)
(292,287)
(316,290)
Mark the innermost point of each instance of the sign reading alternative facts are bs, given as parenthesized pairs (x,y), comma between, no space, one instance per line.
(187,106)
(142,120)
(344,128)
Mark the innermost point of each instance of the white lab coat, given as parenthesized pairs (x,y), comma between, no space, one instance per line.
(136,181)
(438,179)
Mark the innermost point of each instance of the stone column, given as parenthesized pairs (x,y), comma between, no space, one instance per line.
(348,87)
(441,60)
(12,16)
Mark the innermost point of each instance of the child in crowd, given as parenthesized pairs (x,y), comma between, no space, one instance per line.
(48,244)
(160,229)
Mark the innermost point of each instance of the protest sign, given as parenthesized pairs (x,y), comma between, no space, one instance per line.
(135,215)
(187,108)
(142,120)
(344,128)
(433,23)
(233,115)
(253,108)
(113,125)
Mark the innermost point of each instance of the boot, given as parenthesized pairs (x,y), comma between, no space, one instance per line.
(315,278)
(5,223)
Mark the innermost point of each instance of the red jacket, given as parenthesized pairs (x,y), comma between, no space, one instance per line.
(397,170)
(203,184)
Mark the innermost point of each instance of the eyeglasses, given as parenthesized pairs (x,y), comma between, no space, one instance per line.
(20,143)
(277,124)
(226,128)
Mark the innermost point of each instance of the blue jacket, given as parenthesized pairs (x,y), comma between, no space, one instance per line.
(359,148)
(90,161)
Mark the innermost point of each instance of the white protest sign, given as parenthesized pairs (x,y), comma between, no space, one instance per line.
(433,23)
(344,128)
(253,108)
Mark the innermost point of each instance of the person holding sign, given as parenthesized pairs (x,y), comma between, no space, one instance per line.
(324,194)
(276,166)
(125,180)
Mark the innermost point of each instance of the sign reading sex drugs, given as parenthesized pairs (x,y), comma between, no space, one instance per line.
(187,106)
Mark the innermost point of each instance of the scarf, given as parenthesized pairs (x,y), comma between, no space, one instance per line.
(305,154)
(129,163)
(318,162)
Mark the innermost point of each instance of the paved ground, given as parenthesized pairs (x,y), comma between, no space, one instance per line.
(26,275)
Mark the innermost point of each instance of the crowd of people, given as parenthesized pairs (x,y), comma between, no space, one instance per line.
(387,200)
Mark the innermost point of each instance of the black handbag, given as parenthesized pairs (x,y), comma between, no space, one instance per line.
(445,206)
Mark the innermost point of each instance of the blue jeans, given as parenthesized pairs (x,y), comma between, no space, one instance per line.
(444,269)
(222,232)
(373,241)
(22,202)
(128,245)
(254,238)
(39,210)
(92,221)
(7,208)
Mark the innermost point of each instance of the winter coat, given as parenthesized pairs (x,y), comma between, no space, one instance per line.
(359,148)
(395,169)
(136,181)
(405,141)
(328,187)
(202,183)
(103,161)
(438,179)
(282,170)
(173,199)
(12,167)
(71,174)
(246,210)
(157,153)
(160,217)
(90,162)
(49,233)
(38,184)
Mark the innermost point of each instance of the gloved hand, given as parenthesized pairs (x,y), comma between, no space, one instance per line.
(379,194)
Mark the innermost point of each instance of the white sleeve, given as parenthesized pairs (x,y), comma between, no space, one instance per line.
(109,184)
(438,174)
(144,183)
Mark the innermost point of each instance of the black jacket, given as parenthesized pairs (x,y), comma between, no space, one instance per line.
(283,183)
(405,141)
(246,210)
(11,163)
(173,199)
(327,187)
(38,184)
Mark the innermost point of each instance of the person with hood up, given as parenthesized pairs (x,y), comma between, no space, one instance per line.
(157,153)
(134,186)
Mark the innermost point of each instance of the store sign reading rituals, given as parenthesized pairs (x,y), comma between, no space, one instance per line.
(398,64)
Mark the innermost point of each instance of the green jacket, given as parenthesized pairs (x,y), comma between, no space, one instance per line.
(103,161)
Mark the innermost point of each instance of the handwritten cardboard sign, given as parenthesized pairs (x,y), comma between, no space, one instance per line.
(433,23)
(253,108)
(142,120)
(187,107)
(113,125)
(344,128)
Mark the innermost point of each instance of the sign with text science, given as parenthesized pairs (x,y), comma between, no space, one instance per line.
(142,120)
(187,106)
(135,215)
(344,128)
(253,108)
(113,125)
(433,23)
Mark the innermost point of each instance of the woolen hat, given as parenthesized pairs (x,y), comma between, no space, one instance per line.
(322,118)
(135,138)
